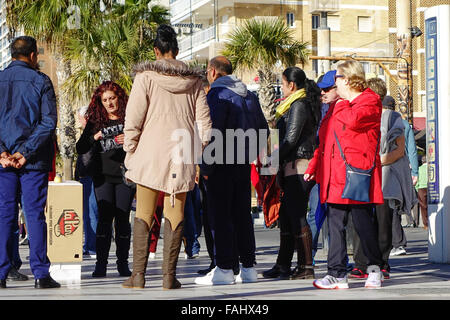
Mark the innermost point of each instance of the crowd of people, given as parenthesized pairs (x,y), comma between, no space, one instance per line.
(344,153)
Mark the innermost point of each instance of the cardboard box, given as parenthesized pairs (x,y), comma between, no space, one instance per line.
(64,216)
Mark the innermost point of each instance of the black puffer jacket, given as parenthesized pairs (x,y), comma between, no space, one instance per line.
(297,129)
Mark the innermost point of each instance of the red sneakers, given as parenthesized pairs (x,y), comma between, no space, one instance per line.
(357,273)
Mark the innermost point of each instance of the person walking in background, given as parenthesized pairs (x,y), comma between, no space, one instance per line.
(422,191)
(399,240)
(349,133)
(297,119)
(166,98)
(83,173)
(28,118)
(156,228)
(233,107)
(103,137)
(316,216)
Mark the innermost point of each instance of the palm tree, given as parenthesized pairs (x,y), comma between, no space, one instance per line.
(106,48)
(104,45)
(260,45)
(47,21)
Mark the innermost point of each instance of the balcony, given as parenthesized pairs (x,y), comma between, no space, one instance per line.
(318,6)
(195,42)
(180,9)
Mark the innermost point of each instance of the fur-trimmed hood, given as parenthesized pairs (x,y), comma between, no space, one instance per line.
(165,70)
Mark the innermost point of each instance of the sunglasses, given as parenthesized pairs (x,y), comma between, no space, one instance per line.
(328,89)
(338,76)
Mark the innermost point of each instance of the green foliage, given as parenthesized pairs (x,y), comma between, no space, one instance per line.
(260,44)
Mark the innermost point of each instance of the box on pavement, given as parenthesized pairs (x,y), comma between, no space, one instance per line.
(64,217)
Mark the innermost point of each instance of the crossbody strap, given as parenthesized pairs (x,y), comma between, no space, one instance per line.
(345,160)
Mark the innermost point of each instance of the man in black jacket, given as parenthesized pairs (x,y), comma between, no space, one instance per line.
(28,121)
(238,119)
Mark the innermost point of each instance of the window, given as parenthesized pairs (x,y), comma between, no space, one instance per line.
(365,24)
(41,50)
(41,64)
(366,66)
(290,19)
(334,23)
(315,21)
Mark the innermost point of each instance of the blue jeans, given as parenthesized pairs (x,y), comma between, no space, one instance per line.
(90,214)
(310,217)
(33,185)
(192,221)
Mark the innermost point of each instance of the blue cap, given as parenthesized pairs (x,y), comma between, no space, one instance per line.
(327,80)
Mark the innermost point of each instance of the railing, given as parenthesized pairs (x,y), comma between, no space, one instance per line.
(197,39)
(181,6)
(316,6)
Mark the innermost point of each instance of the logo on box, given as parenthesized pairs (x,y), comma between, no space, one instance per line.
(67,224)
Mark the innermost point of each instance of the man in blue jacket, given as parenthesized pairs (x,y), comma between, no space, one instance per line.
(237,121)
(27,124)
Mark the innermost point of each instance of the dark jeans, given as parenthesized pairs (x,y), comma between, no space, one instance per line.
(384,223)
(33,185)
(205,219)
(229,210)
(114,204)
(192,221)
(365,225)
(292,216)
(294,204)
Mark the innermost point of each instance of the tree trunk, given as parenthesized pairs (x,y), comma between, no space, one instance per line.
(267,95)
(66,125)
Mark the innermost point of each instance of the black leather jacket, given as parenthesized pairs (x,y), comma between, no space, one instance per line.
(297,132)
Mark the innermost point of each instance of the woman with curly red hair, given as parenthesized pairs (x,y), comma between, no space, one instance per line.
(103,138)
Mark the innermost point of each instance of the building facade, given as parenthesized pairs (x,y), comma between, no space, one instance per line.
(358,27)
(417,9)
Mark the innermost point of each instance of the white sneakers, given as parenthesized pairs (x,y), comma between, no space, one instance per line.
(373,280)
(247,275)
(218,276)
(330,282)
(374,277)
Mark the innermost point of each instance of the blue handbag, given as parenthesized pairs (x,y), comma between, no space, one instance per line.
(357,181)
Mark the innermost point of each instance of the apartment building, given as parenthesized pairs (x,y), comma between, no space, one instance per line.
(357,26)
(417,19)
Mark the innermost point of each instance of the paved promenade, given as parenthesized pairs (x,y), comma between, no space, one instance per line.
(413,277)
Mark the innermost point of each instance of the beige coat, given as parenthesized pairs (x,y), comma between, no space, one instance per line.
(165,104)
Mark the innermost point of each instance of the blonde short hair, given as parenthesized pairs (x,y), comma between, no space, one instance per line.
(378,86)
(353,71)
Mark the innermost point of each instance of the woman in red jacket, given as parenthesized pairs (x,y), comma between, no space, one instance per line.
(355,120)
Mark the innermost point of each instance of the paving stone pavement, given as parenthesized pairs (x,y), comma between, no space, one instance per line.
(413,277)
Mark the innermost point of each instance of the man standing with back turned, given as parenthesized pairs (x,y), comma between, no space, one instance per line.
(27,124)
(232,109)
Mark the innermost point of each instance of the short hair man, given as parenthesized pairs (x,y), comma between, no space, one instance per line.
(232,107)
(28,120)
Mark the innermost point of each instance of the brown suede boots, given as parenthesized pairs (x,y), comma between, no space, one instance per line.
(141,242)
(172,244)
(303,244)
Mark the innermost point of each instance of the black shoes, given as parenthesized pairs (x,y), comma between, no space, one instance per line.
(277,271)
(100,270)
(46,283)
(124,270)
(2,283)
(15,275)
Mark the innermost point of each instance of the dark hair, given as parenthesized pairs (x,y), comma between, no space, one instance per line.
(96,113)
(313,92)
(23,46)
(222,65)
(166,39)
(295,75)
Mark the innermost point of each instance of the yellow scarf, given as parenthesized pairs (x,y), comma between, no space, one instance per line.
(284,107)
